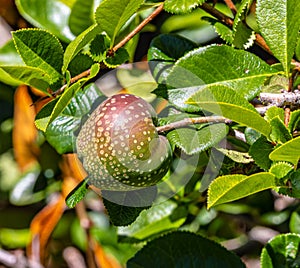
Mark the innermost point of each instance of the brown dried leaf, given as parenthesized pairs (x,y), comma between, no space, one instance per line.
(26,150)
(42,226)
(102,259)
(72,173)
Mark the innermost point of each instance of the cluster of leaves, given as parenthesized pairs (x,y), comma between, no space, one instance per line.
(196,81)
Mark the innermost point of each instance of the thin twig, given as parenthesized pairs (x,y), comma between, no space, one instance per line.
(231,5)
(217,14)
(113,50)
(192,121)
(138,28)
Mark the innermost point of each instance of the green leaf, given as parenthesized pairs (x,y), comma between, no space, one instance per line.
(243,36)
(251,135)
(279,132)
(31,76)
(224,101)
(193,141)
(78,44)
(232,187)
(279,24)
(293,190)
(41,14)
(80,63)
(164,50)
(295,223)
(41,49)
(112,15)
(99,47)
(236,156)
(297,50)
(124,207)
(225,32)
(52,109)
(77,194)
(81,16)
(60,133)
(282,251)
(244,72)
(9,55)
(260,151)
(273,112)
(181,6)
(119,57)
(294,122)
(281,169)
(162,217)
(288,151)
(184,249)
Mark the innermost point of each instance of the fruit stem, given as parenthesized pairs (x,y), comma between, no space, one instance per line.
(191,121)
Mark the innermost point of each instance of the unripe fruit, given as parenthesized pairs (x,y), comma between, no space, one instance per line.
(120,146)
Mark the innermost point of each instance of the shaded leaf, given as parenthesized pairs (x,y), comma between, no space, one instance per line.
(193,141)
(181,6)
(282,251)
(159,218)
(279,132)
(294,122)
(164,50)
(81,16)
(288,151)
(260,151)
(124,207)
(184,249)
(240,70)
(279,24)
(232,187)
(119,57)
(99,47)
(79,43)
(112,15)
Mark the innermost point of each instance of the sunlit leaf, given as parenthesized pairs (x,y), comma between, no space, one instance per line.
(181,6)
(232,187)
(112,15)
(40,49)
(224,101)
(240,70)
(279,24)
(288,151)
